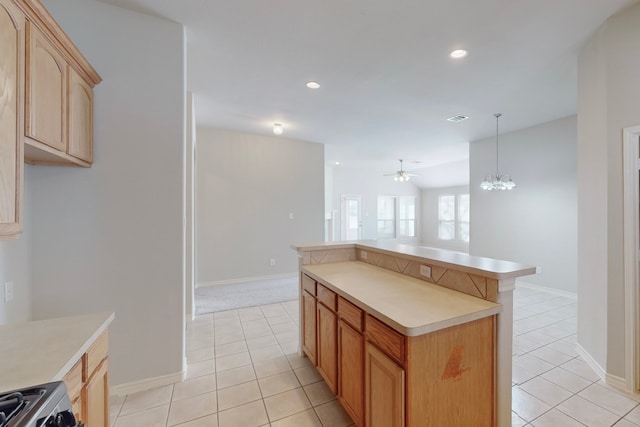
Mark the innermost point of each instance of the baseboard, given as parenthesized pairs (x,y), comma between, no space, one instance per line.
(617,382)
(523,284)
(591,362)
(246,279)
(146,384)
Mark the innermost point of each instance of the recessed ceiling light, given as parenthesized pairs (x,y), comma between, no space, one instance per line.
(336,163)
(313,85)
(278,128)
(458,118)
(458,53)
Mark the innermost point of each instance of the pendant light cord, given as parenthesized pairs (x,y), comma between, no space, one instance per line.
(497,116)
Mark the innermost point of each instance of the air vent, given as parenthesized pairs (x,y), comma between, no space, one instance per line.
(458,118)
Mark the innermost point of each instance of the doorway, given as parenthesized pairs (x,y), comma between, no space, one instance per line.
(631,186)
(350,217)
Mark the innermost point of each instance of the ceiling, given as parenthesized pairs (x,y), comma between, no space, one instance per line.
(387,81)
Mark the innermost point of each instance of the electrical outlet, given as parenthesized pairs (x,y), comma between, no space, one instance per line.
(272,262)
(538,270)
(363,254)
(425,271)
(8,292)
(290,215)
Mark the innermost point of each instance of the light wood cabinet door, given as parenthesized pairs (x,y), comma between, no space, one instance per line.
(384,390)
(80,117)
(351,371)
(12,23)
(327,346)
(96,411)
(46,91)
(309,326)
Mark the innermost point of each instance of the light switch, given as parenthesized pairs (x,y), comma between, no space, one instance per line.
(290,215)
(8,292)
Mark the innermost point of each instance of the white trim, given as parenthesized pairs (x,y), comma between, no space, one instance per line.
(522,284)
(617,382)
(631,255)
(591,362)
(246,279)
(146,384)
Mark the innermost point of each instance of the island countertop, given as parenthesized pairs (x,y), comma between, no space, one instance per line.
(410,306)
(45,350)
(487,267)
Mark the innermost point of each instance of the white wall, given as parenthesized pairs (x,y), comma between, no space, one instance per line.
(369,186)
(608,101)
(15,266)
(111,237)
(430,222)
(246,187)
(535,223)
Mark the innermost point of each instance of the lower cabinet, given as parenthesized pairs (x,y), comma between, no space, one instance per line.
(327,350)
(384,390)
(351,371)
(383,378)
(309,325)
(97,397)
(88,386)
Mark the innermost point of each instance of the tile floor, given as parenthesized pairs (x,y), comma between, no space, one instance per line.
(243,371)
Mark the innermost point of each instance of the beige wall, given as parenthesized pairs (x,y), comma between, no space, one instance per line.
(535,223)
(608,101)
(111,237)
(246,187)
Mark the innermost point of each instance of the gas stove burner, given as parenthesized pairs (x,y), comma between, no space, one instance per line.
(45,405)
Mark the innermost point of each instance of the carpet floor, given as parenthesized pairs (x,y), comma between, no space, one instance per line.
(211,299)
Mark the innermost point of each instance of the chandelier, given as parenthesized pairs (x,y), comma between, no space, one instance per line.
(497,181)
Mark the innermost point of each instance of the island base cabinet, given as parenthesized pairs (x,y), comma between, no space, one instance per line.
(384,390)
(327,351)
(351,371)
(309,326)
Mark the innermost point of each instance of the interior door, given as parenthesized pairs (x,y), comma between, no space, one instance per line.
(351,217)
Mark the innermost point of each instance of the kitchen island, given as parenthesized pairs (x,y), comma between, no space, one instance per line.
(410,336)
(71,349)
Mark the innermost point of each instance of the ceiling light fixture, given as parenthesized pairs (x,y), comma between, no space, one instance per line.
(313,85)
(401,175)
(458,53)
(278,128)
(497,181)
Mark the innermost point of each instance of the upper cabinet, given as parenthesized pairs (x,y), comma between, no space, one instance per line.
(59,82)
(79,117)
(46,102)
(46,84)
(12,23)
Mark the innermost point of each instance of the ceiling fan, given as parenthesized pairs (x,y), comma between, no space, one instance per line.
(401,175)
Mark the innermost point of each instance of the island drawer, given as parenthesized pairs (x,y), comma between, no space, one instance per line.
(388,340)
(350,313)
(327,297)
(308,284)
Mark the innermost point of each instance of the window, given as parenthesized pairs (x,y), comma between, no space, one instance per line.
(396,217)
(386,217)
(406,216)
(453,217)
(463,217)
(447,217)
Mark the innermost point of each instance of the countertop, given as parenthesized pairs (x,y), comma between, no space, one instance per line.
(42,351)
(410,306)
(487,267)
